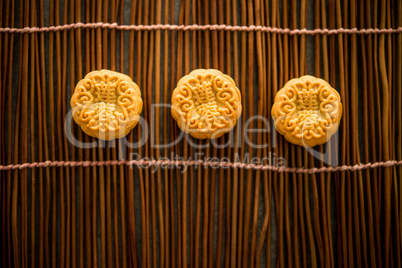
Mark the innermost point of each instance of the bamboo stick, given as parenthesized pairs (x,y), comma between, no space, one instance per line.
(165,137)
(132,258)
(236,144)
(157,137)
(32,135)
(81,178)
(173,81)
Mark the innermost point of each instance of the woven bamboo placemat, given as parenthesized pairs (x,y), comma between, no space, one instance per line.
(113,205)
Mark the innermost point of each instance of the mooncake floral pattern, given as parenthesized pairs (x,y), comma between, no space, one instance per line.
(106,104)
(206,104)
(307,111)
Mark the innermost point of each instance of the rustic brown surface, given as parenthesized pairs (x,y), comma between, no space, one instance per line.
(119,215)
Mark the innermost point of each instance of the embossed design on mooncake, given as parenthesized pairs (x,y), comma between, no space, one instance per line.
(106,104)
(307,111)
(206,103)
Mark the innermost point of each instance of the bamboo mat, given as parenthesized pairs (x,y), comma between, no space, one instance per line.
(71,213)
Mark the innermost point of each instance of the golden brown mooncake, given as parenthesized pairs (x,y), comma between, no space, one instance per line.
(106,104)
(206,104)
(307,111)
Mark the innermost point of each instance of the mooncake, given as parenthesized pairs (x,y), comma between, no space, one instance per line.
(307,111)
(106,104)
(206,104)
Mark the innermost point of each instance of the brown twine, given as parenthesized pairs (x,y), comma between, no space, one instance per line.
(196,27)
(177,163)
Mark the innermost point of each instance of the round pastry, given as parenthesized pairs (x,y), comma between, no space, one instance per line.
(307,111)
(106,104)
(206,104)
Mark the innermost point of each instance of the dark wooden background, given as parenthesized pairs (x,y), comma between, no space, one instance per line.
(131,216)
